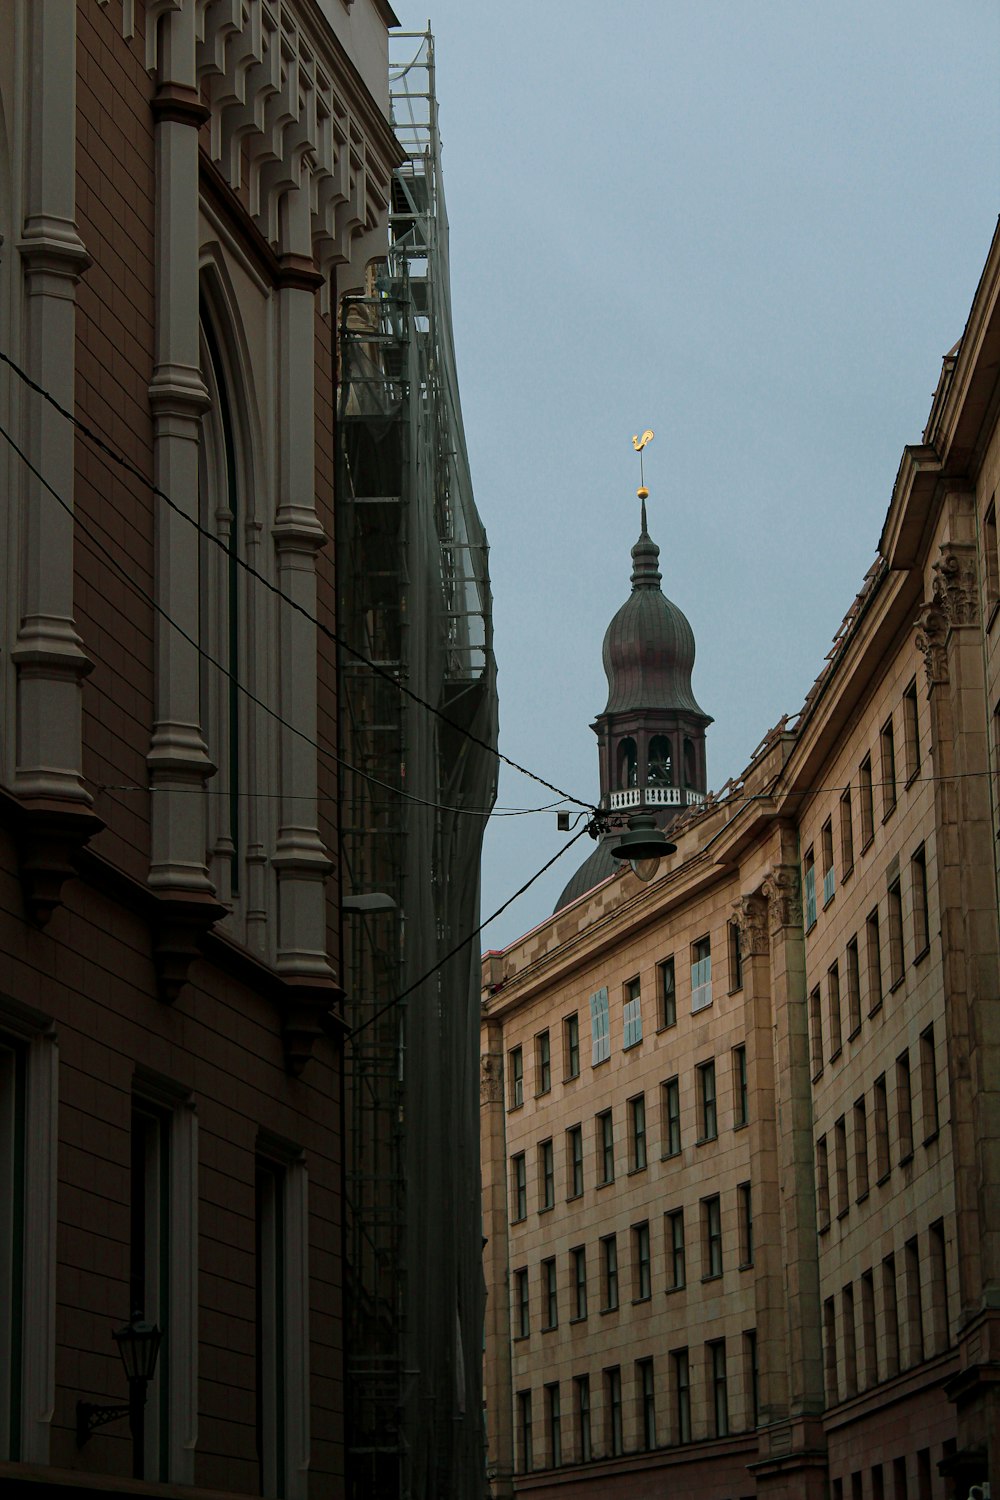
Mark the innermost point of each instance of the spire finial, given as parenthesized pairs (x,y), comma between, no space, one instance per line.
(638,443)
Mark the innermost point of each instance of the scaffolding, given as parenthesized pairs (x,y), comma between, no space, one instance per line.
(414,603)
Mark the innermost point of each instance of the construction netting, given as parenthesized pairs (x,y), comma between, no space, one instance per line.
(414,604)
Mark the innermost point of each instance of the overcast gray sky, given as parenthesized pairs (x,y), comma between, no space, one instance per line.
(755,227)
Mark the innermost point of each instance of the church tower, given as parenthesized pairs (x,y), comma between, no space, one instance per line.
(651,734)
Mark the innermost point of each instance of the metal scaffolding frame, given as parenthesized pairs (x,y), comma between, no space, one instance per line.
(414,599)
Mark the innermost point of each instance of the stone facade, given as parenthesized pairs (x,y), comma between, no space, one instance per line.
(743,1233)
(186,189)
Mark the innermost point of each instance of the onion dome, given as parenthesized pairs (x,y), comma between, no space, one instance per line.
(649,645)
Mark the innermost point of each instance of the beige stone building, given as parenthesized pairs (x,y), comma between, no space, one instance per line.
(741,1144)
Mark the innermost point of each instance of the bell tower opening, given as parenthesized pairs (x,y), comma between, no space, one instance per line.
(660,765)
(628,765)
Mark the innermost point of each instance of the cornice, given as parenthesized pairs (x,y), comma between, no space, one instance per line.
(955,428)
(362,102)
(910,518)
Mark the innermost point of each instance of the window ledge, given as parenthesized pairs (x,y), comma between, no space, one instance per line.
(606,1310)
(846,872)
(913,776)
(994,608)
(843,1212)
(867,844)
(737,991)
(668,1027)
(824,1228)
(631,1046)
(887,815)
(906,1158)
(601,1062)
(570,1077)
(875,1009)
(522,1220)
(635,1171)
(884,1177)
(547,1209)
(574,1197)
(608,1182)
(712,1276)
(512,1109)
(706,1140)
(817,1075)
(745,1265)
(919,957)
(668,1291)
(540,1093)
(896,983)
(931,1138)
(862,1196)
(812,924)
(856,1032)
(741,1124)
(520,1338)
(835,1055)
(550,1327)
(670,1155)
(636,1301)
(582,1318)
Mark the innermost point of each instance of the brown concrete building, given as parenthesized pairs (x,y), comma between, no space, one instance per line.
(741,1143)
(186,191)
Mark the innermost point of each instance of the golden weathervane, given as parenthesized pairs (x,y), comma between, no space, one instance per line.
(638,443)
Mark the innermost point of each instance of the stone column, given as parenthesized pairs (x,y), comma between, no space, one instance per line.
(950,638)
(48,653)
(497,1374)
(793,1461)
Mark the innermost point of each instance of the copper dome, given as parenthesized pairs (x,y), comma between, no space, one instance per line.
(649,645)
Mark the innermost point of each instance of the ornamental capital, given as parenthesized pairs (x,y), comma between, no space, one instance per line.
(490,1079)
(751,919)
(956,583)
(782,890)
(932,629)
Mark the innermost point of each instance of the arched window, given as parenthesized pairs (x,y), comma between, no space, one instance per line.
(219,605)
(690,764)
(628,764)
(660,763)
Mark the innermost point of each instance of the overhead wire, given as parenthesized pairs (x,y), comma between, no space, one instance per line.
(125,463)
(207,656)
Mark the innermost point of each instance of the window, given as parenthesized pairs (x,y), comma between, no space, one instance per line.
(833,1010)
(830,1350)
(890,1315)
(990,567)
(735,958)
(911,732)
(746,1224)
(571,1045)
(640,1263)
(605,1148)
(524,1430)
(578,1269)
(282,1313)
(939,1288)
(543,1063)
(707,1113)
(671,1096)
(712,1226)
(861,1148)
(519,1187)
(681,1372)
(899,1485)
(809,888)
(613,1410)
(826,847)
(904,1107)
(873,948)
(553,1422)
(609,1272)
(546,1177)
(12,1259)
(853,988)
(869,1342)
(633,1015)
(914,1308)
(600,1033)
(585,1448)
(647,1401)
(719,1392)
(751,1376)
(840,1164)
(574,1160)
(515,1058)
(550,1294)
(701,974)
(675,1250)
(637,1131)
(816,1033)
(741,1101)
(522,1304)
(850,1343)
(928,1085)
(895,926)
(846,833)
(918,898)
(149,1261)
(822,1184)
(867,805)
(887,745)
(667,993)
(881,1114)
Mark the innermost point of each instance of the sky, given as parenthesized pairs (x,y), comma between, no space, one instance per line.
(755,226)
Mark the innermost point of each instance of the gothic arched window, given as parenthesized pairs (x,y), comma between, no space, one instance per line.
(660,762)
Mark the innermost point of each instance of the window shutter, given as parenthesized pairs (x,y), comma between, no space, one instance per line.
(599,1029)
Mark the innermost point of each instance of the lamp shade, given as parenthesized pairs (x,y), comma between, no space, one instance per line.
(138,1344)
(642,844)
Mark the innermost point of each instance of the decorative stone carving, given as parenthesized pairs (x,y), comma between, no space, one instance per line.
(956,583)
(932,627)
(782,890)
(751,919)
(490,1079)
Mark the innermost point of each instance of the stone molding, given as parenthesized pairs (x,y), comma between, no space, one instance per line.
(956,583)
(781,888)
(490,1079)
(932,628)
(751,919)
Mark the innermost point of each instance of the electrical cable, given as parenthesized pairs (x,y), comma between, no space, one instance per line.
(137,588)
(207,791)
(466,940)
(124,463)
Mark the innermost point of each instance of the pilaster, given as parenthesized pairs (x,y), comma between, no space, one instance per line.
(496,1267)
(950,637)
(48,653)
